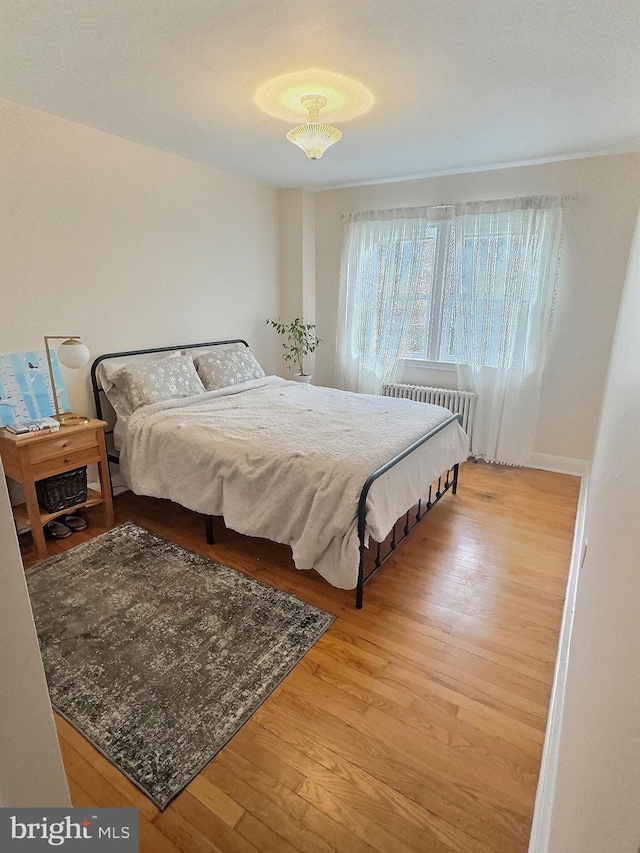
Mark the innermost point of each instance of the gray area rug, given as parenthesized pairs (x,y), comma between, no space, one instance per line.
(158,655)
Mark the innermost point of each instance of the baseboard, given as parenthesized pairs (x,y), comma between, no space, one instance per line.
(545,794)
(558,464)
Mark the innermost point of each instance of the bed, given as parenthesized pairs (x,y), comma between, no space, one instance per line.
(327,472)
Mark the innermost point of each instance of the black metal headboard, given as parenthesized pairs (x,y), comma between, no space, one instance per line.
(97,390)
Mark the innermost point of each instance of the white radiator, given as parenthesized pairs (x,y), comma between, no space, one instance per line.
(459,402)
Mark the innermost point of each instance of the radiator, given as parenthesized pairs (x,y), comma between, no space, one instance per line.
(459,402)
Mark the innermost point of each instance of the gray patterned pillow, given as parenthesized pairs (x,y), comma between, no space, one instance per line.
(153,381)
(222,367)
(118,399)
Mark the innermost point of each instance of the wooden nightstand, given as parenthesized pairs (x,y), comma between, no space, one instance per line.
(40,456)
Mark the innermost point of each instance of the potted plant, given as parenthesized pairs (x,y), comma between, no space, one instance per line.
(300,341)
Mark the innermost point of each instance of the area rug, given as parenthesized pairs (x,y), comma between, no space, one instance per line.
(158,655)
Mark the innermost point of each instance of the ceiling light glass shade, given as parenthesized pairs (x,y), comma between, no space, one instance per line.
(314,137)
(73,353)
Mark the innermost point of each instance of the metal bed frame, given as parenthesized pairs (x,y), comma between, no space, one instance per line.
(448,481)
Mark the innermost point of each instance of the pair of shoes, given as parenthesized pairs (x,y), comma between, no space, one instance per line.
(74,522)
(64,526)
(56,530)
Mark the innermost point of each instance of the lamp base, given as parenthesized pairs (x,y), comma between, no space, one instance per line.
(69,419)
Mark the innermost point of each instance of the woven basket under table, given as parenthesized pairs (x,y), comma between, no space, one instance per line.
(62,490)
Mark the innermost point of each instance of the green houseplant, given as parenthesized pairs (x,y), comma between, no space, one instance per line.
(300,341)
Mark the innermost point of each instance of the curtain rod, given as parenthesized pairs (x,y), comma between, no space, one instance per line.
(414,211)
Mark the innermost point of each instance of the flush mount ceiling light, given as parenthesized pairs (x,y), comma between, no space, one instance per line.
(314,137)
(290,96)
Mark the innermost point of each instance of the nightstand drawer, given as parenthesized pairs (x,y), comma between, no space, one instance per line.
(60,463)
(55,448)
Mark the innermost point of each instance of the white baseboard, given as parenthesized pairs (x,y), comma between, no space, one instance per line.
(558,464)
(543,811)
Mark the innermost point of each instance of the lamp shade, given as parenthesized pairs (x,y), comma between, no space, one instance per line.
(73,353)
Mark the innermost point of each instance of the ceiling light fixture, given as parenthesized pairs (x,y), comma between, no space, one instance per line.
(314,137)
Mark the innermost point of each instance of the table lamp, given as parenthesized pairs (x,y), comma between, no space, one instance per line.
(74,354)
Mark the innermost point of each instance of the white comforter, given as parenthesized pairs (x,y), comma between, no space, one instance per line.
(287,462)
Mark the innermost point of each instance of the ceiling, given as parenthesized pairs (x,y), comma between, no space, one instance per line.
(458,84)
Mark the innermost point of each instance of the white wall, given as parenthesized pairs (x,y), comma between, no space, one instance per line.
(598,778)
(297,263)
(31,771)
(127,246)
(598,233)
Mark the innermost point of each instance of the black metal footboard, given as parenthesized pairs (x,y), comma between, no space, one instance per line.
(450,483)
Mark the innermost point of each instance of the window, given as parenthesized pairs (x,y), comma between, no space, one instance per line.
(454,286)
(469,285)
(499,277)
(432,332)
(407,257)
(431,326)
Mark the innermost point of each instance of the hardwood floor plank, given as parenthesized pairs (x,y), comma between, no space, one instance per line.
(268,819)
(191,822)
(455,658)
(506,728)
(341,838)
(185,836)
(456,757)
(263,837)
(252,778)
(361,686)
(246,747)
(533,713)
(215,800)
(386,829)
(479,810)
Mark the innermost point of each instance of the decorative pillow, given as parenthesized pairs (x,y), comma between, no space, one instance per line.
(223,367)
(119,400)
(120,403)
(152,381)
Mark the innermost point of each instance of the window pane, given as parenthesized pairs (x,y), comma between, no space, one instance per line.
(421,256)
(384,273)
(498,275)
(419,326)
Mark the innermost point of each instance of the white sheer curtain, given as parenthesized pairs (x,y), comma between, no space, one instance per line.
(384,256)
(501,277)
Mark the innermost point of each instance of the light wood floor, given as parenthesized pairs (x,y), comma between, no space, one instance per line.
(415,724)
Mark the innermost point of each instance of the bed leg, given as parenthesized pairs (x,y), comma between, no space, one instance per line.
(360,586)
(454,487)
(208,527)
